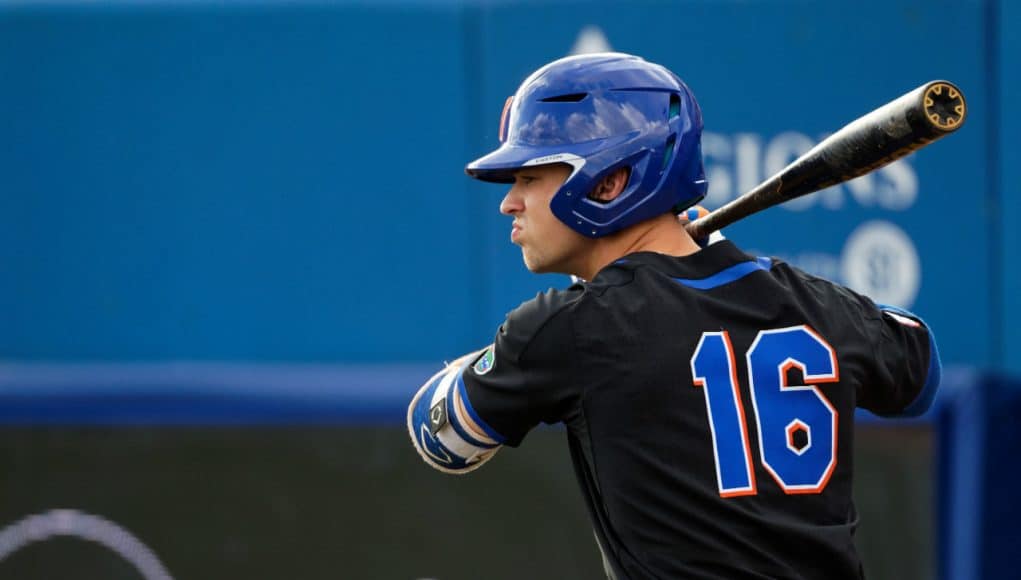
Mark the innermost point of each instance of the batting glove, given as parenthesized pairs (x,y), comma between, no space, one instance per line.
(693,213)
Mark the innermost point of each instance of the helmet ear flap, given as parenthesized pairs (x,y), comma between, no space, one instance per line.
(574,204)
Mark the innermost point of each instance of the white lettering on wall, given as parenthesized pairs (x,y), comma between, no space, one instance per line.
(880,261)
(737,162)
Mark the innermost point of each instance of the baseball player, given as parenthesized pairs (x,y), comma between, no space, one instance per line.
(708,395)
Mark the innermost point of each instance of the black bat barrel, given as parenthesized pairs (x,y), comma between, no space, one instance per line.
(903,125)
(888,133)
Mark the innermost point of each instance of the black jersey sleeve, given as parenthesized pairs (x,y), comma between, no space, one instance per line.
(527,377)
(906,371)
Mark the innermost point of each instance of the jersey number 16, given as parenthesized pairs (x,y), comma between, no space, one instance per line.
(796,425)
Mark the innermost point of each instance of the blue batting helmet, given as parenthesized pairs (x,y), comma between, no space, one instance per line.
(598,113)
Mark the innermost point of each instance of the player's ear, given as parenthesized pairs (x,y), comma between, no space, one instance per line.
(610,186)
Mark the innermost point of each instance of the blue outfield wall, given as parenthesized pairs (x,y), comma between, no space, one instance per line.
(282,182)
(203,394)
(978,440)
(1005,48)
(222,181)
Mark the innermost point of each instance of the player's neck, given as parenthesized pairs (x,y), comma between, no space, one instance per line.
(663,235)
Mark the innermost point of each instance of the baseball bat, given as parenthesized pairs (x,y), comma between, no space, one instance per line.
(871,141)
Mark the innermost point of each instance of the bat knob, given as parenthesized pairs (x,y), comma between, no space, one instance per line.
(944,106)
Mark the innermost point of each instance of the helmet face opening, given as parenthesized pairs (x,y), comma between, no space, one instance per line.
(600,113)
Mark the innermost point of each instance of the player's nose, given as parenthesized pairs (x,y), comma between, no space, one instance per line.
(512,202)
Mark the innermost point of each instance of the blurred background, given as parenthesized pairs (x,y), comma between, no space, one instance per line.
(235,237)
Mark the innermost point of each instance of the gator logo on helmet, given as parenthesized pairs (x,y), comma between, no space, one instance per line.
(486,362)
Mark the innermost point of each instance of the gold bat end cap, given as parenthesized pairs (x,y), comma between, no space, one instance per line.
(944,105)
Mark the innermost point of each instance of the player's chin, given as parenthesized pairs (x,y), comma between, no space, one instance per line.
(534,263)
(541,265)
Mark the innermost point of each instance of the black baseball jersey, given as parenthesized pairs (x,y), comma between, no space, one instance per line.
(709,403)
